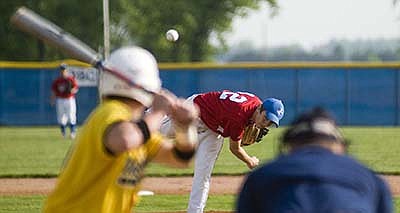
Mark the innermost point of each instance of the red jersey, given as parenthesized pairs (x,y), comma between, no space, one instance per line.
(62,87)
(226,112)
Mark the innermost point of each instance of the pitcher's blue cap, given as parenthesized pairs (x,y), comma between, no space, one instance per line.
(274,110)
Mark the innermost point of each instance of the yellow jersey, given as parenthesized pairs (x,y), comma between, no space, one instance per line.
(93,180)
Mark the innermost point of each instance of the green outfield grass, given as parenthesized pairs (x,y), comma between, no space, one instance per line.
(39,152)
(157,203)
(31,151)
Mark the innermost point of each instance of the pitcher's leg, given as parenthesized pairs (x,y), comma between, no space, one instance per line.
(206,156)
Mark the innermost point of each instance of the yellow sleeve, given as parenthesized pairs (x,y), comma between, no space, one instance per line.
(153,145)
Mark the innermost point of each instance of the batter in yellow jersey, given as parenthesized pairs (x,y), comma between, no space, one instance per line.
(93,180)
(104,168)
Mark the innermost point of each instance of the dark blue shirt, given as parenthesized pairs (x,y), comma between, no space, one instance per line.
(313,179)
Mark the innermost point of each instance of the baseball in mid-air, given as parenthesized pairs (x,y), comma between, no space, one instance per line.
(172,35)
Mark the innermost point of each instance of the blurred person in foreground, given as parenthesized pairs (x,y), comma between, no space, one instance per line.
(63,91)
(117,141)
(314,174)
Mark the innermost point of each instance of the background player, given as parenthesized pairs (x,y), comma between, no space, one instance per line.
(64,89)
(116,142)
(314,174)
(225,114)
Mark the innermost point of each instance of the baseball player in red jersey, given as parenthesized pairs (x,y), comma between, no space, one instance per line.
(225,114)
(63,90)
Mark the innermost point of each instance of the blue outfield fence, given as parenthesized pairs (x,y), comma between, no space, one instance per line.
(356,93)
(25,97)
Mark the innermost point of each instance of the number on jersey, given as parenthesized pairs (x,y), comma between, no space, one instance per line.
(235,96)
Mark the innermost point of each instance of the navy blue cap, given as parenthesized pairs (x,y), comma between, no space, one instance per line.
(63,66)
(274,110)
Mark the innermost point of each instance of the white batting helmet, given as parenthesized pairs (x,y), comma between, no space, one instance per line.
(137,64)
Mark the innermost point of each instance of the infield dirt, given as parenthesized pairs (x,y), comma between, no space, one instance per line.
(159,185)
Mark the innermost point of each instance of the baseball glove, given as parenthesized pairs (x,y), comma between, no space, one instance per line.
(263,132)
(253,134)
(69,87)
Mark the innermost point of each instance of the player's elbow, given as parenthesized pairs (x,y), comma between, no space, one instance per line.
(121,138)
(119,145)
(127,143)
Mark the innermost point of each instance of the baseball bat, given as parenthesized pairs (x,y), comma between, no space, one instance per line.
(28,21)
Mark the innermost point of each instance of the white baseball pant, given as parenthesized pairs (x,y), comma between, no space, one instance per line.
(66,111)
(210,145)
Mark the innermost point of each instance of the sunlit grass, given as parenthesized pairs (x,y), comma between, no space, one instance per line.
(40,152)
(157,203)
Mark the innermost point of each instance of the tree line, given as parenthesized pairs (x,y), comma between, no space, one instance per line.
(144,23)
(140,22)
(334,50)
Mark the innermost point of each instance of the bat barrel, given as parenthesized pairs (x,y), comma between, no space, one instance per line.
(30,22)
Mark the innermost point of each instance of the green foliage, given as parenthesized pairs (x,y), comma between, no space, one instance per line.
(194,20)
(143,22)
(81,18)
(335,50)
(15,45)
